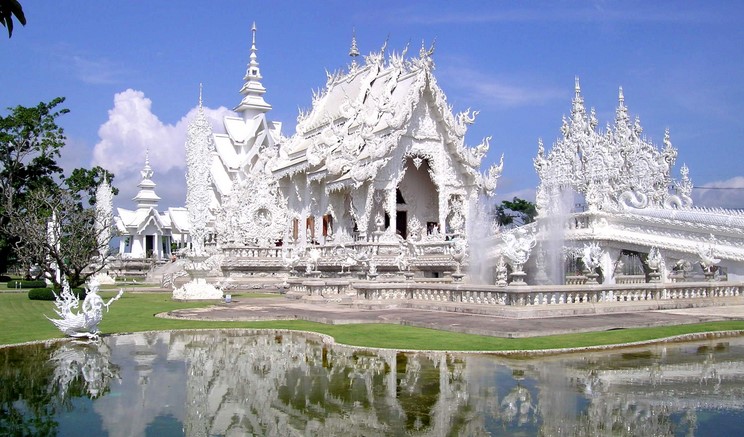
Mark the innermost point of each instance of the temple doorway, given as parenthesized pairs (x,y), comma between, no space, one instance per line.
(149,245)
(401,223)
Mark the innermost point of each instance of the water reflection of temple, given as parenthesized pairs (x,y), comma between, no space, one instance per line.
(287,385)
(237,383)
(659,391)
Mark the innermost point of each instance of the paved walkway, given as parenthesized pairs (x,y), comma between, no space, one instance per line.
(281,308)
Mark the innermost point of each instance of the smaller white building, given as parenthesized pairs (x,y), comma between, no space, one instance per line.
(146,232)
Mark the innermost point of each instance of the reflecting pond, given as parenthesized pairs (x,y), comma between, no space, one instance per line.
(200,383)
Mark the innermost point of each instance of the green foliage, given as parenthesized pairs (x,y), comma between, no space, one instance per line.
(47,293)
(8,10)
(517,212)
(85,182)
(30,143)
(26,284)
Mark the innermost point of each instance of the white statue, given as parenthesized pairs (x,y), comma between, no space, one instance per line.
(313,256)
(707,254)
(82,323)
(654,260)
(501,272)
(591,257)
(291,261)
(518,246)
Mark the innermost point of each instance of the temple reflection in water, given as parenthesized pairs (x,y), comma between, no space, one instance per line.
(237,383)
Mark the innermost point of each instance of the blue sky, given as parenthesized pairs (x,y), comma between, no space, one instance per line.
(131,71)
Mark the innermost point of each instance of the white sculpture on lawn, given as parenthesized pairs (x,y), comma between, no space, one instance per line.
(83,322)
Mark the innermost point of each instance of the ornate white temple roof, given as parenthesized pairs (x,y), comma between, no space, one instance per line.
(361,115)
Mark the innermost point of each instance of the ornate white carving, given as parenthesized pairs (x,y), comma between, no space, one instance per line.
(707,254)
(83,322)
(255,213)
(654,261)
(615,169)
(518,245)
(592,256)
(104,216)
(199,148)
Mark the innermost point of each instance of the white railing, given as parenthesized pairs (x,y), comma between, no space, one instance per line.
(546,295)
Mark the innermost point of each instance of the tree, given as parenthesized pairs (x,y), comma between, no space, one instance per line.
(59,233)
(9,9)
(48,219)
(83,181)
(30,143)
(516,212)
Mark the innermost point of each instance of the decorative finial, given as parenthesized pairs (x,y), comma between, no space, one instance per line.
(620,96)
(200,95)
(577,87)
(147,172)
(423,53)
(354,51)
(253,30)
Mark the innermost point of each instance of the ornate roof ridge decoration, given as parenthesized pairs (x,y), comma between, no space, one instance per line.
(614,169)
(199,148)
(361,115)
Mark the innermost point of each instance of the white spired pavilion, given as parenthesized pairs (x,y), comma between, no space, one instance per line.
(145,232)
(379,157)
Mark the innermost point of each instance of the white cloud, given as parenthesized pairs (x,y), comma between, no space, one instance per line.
(130,131)
(723,194)
(96,71)
(489,91)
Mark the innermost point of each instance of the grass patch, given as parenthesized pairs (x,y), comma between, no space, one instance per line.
(22,320)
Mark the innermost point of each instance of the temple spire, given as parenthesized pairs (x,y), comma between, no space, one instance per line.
(146,197)
(578,111)
(621,97)
(253,102)
(200,95)
(353,51)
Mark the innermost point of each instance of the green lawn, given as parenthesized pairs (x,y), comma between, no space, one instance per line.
(23,320)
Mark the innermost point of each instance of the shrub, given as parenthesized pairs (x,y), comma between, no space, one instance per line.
(5,278)
(26,284)
(47,293)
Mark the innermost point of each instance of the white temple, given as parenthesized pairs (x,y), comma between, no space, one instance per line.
(377,181)
(379,159)
(379,141)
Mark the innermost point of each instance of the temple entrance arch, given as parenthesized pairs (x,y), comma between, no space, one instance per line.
(419,194)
